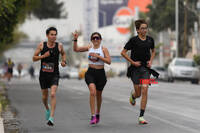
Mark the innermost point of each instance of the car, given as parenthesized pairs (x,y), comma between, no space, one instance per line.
(73,73)
(183,69)
(162,72)
(63,72)
(81,73)
(68,72)
(82,70)
(16,73)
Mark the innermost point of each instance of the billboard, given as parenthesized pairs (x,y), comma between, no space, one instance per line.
(107,9)
(119,12)
(114,20)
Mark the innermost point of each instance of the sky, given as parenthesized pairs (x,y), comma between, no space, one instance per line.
(36,28)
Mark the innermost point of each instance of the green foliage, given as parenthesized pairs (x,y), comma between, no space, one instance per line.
(196,58)
(48,9)
(162,17)
(12,12)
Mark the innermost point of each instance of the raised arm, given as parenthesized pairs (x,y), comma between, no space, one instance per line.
(75,46)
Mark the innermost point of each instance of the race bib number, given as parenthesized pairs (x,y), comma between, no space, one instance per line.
(47,67)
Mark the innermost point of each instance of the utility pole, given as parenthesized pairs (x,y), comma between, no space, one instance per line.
(185,28)
(177,27)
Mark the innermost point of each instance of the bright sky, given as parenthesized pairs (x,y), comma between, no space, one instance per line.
(35,28)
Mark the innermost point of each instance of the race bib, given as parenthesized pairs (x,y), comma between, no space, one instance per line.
(47,67)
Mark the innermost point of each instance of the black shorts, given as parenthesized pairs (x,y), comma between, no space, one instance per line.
(139,74)
(96,76)
(10,70)
(48,80)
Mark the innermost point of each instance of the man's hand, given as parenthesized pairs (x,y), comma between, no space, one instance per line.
(63,63)
(149,63)
(137,63)
(46,54)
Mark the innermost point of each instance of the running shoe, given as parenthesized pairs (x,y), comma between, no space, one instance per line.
(50,121)
(142,120)
(93,120)
(132,100)
(97,118)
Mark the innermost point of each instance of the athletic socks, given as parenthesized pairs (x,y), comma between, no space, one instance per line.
(142,112)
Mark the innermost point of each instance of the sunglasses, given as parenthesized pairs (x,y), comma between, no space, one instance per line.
(96,38)
(144,28)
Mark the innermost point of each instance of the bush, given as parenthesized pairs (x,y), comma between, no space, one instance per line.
(196,59)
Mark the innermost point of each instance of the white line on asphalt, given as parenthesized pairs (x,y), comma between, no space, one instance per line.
(169,122)
(176,113)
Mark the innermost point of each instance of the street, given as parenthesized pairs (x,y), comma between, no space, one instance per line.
(172,107)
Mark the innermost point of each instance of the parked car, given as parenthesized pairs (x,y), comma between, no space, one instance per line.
(68,72)
(183,69)
(162,72)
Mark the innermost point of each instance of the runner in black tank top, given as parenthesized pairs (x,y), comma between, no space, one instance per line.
(49,72)
(49,65)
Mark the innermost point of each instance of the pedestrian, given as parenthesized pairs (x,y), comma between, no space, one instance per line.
(10,64)
(142,55)
(32,72)
(49,73)
(95,76)
(19,69)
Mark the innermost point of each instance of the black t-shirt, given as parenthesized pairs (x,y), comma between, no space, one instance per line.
(140,49)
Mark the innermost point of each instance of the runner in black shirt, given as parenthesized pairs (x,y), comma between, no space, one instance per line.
(49,73)
(142,55)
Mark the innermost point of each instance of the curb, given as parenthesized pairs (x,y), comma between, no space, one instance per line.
(1,120)
(1,125)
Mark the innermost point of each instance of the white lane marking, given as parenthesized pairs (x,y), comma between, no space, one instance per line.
(169,122)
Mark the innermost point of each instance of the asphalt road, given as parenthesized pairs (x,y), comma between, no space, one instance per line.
(172,108)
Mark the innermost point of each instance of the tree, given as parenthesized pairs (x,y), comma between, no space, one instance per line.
(48,9)
(12,12)
(162,17)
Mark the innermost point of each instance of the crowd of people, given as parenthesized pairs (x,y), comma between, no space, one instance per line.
(8,70)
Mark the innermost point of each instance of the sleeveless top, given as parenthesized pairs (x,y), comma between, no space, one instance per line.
(94,60)
(49,65)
